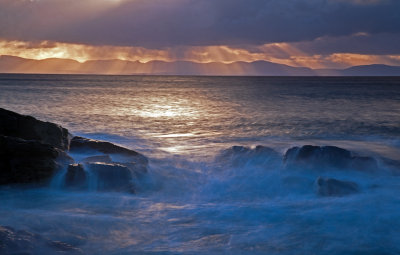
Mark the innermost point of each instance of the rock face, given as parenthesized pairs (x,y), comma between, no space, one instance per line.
(240,155)
(111,177)
(75,177)
(29,128)
(23,242)
(322,157)
(23,161)
(334,187)
(81,144)
(100,177)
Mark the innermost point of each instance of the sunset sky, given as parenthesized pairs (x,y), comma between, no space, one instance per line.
(310,33)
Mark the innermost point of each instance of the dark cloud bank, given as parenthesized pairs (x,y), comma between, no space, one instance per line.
(171,23)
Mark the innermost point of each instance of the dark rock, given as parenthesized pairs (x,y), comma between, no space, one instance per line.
(334,187)
(75,177)
(23,242)
(80,144)
(138,170)
(23,161)
(364,163)
(29,128)
(111,177)
(322,157)
(99,158)
(240,155)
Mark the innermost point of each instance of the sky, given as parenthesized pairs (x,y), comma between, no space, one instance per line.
(310,33)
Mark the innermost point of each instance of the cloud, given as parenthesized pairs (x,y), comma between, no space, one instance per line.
(179,23)
(282,53)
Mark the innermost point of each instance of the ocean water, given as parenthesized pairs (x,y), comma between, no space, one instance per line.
(196,201)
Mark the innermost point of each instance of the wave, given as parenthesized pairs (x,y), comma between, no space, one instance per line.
(246,200)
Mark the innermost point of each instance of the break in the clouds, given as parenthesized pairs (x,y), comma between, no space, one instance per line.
(170,23)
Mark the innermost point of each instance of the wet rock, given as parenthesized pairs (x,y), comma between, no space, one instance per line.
(23,161)
(75,177)
(240,155)
(23,242)
(81,144)
(100,177)
(28,128)
(98,158)
(137,170)
(334,187)
(327,157)
(364,163)
(110,177)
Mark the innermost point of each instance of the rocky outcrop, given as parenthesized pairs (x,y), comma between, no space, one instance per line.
(28,128)
(240,155)
(32,151)
(23,242)
(334,187)
(327,157)
(23,161)
(85,145)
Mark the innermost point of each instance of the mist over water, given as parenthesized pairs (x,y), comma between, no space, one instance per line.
(196,198)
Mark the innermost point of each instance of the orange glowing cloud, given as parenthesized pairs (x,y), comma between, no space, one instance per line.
(281,53)
(79,52)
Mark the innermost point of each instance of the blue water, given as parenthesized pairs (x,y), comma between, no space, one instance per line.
(192,202)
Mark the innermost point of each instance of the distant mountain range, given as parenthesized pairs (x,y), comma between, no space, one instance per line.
(11,64)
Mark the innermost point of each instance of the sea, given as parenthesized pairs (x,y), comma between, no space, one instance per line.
(193,199)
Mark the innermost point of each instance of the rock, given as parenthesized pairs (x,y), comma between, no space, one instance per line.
(23,242)
(240,155)
(75,177)
(29,128)
(100,177)
(99,158)
(138,170)
(110,177)
(334,187)
(23,161)
(323,157)
(81,144)
(364,163)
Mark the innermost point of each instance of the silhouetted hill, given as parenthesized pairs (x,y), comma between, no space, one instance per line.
(10,64)
(372,70)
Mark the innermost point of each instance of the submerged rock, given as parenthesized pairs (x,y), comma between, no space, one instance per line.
(81,144)
(29,128)
(23,161)
(24,242)
(334,187)
(240,155)
(322,157)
